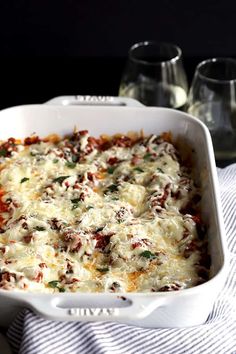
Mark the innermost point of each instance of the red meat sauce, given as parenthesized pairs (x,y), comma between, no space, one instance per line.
(73,240)
(102,240)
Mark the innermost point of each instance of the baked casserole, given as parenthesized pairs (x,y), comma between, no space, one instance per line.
(107,214)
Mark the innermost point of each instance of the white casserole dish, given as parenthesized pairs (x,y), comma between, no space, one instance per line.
(187,307)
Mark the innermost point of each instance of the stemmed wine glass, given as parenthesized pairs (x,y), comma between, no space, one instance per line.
(154,75)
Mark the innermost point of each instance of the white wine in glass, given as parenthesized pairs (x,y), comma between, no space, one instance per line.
(212,99)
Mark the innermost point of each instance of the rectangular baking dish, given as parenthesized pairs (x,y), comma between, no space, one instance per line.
(186,307)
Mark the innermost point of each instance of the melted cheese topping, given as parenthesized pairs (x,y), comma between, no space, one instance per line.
(92,215)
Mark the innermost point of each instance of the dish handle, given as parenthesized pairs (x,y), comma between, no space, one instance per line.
(86,100)
(62,309)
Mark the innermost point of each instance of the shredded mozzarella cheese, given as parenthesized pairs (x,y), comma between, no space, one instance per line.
(92,215)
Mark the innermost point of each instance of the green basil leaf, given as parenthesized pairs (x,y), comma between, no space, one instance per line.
(70,164)
(75,201)
(148,254)
(24,180)
(40,228)
(74,158)
(160,170)
(147,156)
(3,152)
(61,290)
(53,283)
(75,206)
(138,169)
(60,179)
(112,188)
(110,170)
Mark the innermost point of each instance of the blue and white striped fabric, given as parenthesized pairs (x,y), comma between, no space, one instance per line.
(30,334)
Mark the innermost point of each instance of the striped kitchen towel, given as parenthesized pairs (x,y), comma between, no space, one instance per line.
(30,334)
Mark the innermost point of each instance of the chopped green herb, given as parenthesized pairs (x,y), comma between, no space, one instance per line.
(138,169)
(74,158)
(3,152)
(33,153)
(148,254)
(61,290)
(53,283)
(24,180)
(110,170)
(40,228)
(75,201)
(102,270)
(70,164)
(55,161)
(89,207)
(112,188)
(75,206)
(60,179)
(114,198)
(147,156)
(160,170)
(99,229)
